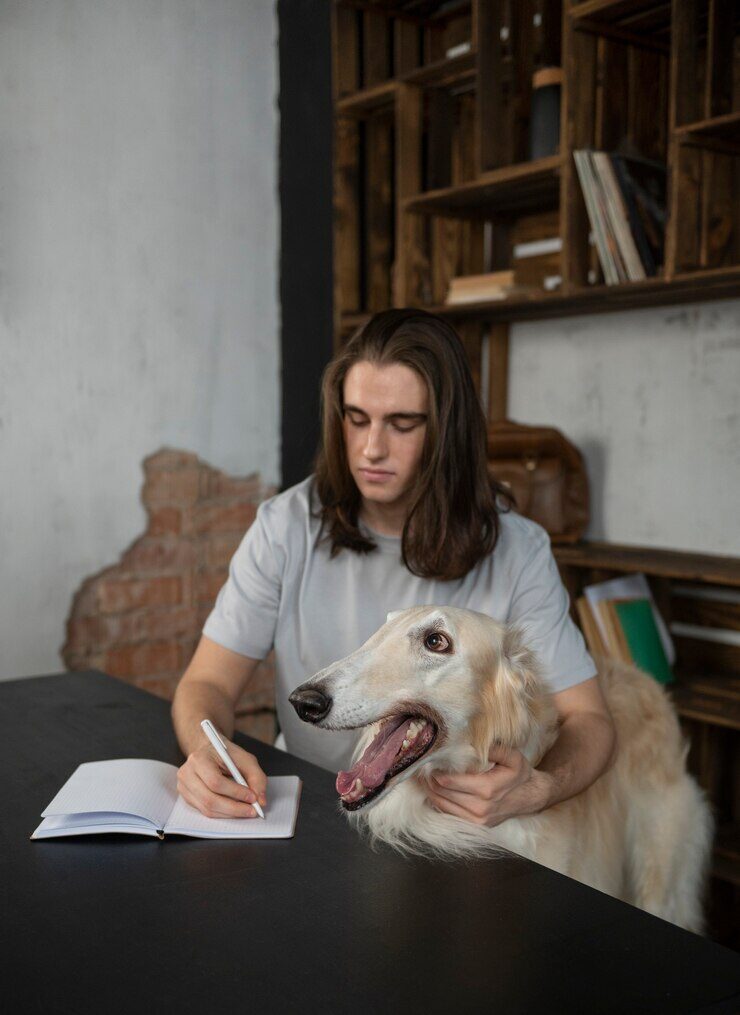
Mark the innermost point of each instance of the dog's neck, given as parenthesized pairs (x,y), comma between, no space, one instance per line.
(543,731)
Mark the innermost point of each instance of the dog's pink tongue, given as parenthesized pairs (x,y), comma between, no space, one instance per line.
(378,757)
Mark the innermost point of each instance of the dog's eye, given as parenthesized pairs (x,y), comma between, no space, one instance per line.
(436,642)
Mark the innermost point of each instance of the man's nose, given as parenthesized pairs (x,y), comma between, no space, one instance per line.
(310,703)
(375,444)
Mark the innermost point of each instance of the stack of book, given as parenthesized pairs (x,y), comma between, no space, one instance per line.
(625,197)
(494,285)
(620,620)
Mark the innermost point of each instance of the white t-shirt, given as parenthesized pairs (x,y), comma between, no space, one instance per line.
(284,592)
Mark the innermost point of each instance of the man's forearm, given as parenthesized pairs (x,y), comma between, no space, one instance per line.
(196,700)
(584,750)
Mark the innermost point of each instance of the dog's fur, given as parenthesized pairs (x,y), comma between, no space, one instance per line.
(642,832)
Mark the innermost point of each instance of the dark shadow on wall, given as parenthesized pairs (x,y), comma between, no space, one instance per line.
(594,454)
(305,176)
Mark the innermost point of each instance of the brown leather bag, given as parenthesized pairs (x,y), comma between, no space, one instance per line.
(546,474)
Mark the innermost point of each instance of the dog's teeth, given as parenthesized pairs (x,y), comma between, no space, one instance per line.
(414,729)
(405,744)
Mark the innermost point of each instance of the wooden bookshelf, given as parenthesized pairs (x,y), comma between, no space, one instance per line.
(699,598)
(429,148)
(433,179)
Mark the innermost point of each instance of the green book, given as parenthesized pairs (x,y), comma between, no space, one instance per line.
(640,630)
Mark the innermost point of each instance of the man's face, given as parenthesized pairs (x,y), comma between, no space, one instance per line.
(385,410)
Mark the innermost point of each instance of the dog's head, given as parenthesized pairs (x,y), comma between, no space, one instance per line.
(434,684)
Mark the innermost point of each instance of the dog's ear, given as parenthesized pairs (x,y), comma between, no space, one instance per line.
(393,614)
(508,689)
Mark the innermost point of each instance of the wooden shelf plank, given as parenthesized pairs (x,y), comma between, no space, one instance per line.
(633,12)
(721,133)
(713,701)
(442,73)
(528,185)
(713,284)
(638,15)
(725,126)
(368,99)
(699,567)
(716,283)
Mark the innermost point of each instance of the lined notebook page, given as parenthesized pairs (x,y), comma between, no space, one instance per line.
(124,786)
(283,792)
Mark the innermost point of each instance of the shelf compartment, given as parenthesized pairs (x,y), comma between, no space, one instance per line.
(510,190)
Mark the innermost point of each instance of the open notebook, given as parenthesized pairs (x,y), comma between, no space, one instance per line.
(140,797)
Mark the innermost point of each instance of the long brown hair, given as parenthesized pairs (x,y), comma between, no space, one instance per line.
(452,521)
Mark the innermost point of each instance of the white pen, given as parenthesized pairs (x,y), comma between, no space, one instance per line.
(220,747)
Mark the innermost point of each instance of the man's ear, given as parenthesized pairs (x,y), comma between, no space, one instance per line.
(506,692)
(392,614)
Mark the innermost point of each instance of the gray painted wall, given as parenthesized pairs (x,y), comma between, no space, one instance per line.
(138,277)
(652,398)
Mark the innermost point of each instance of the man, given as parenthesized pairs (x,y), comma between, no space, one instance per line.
(399,511)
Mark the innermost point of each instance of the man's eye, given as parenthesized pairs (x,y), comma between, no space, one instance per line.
(357,422)
(436,642)
(402,429)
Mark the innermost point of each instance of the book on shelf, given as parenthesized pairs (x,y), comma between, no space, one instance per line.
(625,629)
(591,631)
(637,622)
(458,50)
(617,214)
(630,586)
(606,244)
(494,285)
(616,642)
(625,202)
(643,182)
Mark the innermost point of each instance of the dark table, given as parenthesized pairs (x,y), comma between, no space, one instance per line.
(319,922)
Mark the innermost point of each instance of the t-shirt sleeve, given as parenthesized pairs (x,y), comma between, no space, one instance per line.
(245,613)
(540,607)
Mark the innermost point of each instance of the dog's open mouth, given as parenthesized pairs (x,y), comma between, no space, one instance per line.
(400,741)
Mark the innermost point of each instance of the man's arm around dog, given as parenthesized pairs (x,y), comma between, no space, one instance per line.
(584,750)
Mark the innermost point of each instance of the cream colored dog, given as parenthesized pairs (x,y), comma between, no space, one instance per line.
(437,686)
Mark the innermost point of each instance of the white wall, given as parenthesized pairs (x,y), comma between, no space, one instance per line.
(138,277)
(652,398)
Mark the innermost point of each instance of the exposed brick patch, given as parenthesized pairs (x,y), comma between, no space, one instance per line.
(219,517)
(147,659)
(141,619)
(165,521)
(220,548)
(118,595)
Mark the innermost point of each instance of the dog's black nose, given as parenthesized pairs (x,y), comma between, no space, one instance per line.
(310,703)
